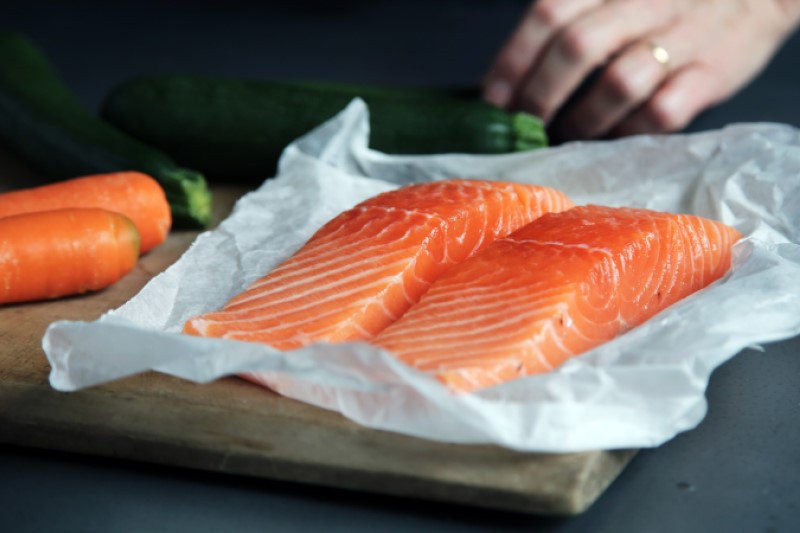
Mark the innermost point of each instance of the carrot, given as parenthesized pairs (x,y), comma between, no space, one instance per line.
(136,195)
(50,254)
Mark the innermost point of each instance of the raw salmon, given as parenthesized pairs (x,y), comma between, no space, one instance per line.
(556,288)
(366,267)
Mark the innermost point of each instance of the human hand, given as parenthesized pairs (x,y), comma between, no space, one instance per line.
(661,62)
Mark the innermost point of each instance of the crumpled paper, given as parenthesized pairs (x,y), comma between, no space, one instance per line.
(638,390)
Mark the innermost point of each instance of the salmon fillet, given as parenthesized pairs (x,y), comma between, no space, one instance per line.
(363,269)
(555,288)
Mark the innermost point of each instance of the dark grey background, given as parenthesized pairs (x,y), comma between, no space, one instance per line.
(738,471)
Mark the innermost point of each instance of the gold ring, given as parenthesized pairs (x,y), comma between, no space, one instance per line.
(660,54)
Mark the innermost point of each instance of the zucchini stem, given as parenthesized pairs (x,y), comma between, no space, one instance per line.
(529,132)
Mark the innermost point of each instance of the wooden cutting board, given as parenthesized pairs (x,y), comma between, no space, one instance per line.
(235,427)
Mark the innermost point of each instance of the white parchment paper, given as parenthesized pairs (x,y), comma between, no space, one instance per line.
(638,390)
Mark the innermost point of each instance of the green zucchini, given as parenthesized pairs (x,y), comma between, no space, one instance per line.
(237,129)
(44,124)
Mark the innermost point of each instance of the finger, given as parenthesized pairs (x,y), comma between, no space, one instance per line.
(541,21)
(629,80)
(583,45)
(674,104)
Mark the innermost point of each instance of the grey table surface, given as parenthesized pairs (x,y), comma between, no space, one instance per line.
(739,470)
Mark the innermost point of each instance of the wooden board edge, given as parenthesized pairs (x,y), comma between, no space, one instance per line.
(133,449)
(53,424)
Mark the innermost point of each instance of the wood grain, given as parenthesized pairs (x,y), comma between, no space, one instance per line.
(236,427)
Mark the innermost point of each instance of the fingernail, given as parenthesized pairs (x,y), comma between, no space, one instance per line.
(498,92)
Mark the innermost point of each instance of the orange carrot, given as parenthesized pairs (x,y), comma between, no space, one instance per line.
(135,195)
(50,254)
